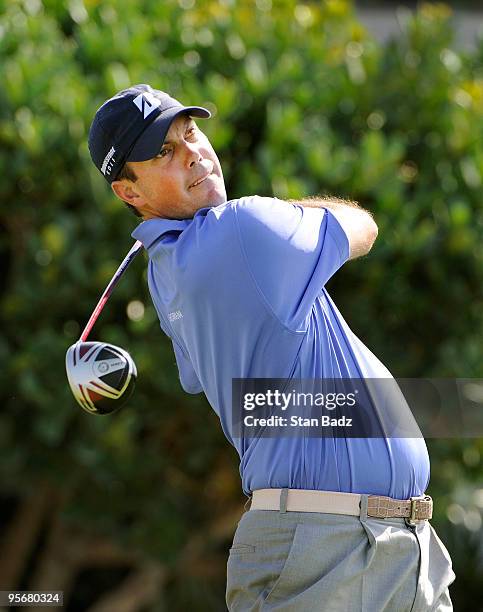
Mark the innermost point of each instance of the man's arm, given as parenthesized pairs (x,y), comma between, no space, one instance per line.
(357,223)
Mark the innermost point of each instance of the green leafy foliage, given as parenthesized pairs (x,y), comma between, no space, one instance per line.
(305,102)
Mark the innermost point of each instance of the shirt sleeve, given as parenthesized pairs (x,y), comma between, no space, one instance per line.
(291,252)
(187,376)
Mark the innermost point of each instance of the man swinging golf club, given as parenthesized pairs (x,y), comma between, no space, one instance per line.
(336,523)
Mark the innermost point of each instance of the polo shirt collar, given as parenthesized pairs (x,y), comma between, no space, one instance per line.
(152,230)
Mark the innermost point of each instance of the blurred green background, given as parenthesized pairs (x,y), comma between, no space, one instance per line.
(137,511)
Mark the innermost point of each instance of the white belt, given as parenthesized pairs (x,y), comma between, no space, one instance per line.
(331,502)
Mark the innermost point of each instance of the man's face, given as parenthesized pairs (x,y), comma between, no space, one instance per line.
(165,186)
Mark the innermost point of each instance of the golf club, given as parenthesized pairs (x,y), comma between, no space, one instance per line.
(101,375)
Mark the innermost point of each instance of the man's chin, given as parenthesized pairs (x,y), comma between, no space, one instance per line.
(215,197)
(219,196)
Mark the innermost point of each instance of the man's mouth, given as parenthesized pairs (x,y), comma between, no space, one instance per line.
(200,180)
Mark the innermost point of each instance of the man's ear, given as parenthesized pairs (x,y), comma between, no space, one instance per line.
(125,191)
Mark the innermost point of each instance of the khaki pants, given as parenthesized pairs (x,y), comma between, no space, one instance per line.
(309,562)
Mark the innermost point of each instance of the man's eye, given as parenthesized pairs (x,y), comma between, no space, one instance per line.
(162,153)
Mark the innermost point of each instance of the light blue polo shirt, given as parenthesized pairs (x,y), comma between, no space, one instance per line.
(240,290)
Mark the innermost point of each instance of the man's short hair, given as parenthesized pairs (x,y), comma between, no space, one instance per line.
(128,173)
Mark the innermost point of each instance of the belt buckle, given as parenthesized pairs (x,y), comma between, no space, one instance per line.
(413,520)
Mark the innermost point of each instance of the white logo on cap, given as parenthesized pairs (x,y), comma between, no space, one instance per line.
(146,103)
(108,162)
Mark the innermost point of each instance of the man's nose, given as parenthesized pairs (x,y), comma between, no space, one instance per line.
(192,152)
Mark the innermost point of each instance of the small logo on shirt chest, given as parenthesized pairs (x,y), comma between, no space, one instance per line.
(175,315)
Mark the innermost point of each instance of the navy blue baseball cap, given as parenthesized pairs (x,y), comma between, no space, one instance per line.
(132,126)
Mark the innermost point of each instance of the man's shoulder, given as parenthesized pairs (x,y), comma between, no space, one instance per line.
(215,223)
(260,214)
(251,203)
(256,204)
(215,244)
(208,251)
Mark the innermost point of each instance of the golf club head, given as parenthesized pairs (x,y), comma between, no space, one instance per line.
(101,376)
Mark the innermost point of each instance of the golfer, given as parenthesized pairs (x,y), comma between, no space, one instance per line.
(336,523)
